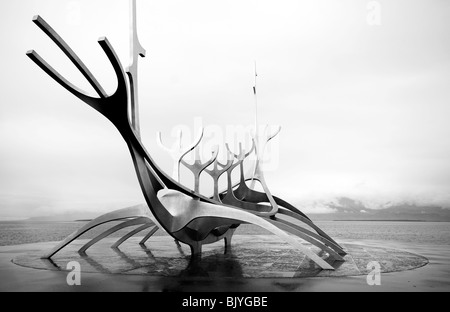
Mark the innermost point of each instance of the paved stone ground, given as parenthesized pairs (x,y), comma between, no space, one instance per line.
(251,256)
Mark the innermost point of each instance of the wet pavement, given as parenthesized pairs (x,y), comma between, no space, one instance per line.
(255,263)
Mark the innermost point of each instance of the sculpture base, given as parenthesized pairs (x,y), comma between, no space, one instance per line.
(265,257)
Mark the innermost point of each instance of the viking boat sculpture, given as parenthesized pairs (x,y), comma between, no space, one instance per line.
(186,215)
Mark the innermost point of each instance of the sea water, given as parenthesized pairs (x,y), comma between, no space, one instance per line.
(436,233)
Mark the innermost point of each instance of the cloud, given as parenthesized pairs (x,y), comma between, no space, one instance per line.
(363,109)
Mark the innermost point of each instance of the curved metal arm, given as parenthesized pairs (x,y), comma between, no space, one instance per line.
(261,145)
(194,144)
(197,161)
(35,57)
(260,149)
(180,150)
(216,173)
(117,113)
(242,189)
(229,162)
(274,134)
(242,154)
(177,152)
(198,166)
(240,160)
(171,150)
(47,29)
(252,149)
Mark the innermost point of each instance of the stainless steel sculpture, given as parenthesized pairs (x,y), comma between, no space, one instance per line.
(185,214)
(230,198)
(177,152)
(216,173)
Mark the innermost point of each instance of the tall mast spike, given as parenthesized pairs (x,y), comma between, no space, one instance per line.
(136,50)
(256,133)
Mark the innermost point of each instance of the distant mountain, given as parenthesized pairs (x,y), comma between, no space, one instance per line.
(349,209)
(345,209)
(72,216)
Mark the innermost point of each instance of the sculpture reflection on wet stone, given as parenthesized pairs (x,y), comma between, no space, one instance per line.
(185,214)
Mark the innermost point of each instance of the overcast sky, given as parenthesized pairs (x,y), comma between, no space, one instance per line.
(363,100)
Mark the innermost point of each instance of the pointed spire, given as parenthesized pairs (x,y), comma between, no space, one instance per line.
(135,50)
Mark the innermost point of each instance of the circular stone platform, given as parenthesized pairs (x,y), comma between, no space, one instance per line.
(251,256)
